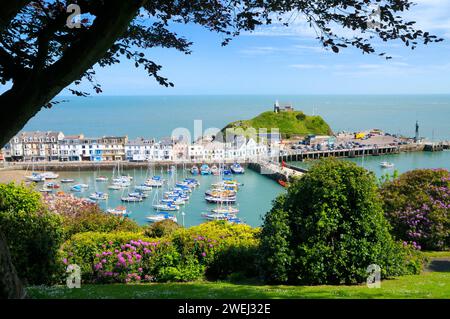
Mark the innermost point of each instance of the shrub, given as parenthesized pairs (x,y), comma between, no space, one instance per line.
(417,204)
(328,229)
(93,219)
(161,228)
(33,234)
(223,248)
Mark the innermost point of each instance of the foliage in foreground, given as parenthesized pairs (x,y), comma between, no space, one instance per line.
(417,204)
(329,228)
(33,234)
(214,249)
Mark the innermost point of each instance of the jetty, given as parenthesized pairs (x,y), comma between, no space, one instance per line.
(301,155)
(277,172)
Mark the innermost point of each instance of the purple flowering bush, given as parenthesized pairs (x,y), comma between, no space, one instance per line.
(417,204)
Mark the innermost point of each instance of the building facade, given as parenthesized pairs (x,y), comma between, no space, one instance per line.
(113,148)
(70,148)
(34,146)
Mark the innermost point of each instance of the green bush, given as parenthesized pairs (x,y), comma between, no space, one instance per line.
(328,229)
(161,228)
(93,219)
(33,234)
(223,248)
(417,204)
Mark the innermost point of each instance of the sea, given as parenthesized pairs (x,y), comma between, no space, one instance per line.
(158,117)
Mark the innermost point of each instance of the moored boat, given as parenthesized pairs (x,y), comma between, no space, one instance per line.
(155,181)
(205,170)
(236,168)
(131,199)
(67,180)
(118,211)
(212,199)
(98,196)
(387,164)
(101,179)
(49,175)
(143,188)
(215,170)
(166,207)
(194,170)
(226,210)
(36,177)
(52,185)
(161,216)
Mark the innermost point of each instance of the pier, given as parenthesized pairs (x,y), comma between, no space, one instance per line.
(275,171)
(299,156)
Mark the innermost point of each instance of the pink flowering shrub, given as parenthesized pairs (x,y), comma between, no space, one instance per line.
(417,205)
(82,216)
(128,257)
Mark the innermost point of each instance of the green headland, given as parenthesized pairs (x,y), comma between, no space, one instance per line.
(290,123)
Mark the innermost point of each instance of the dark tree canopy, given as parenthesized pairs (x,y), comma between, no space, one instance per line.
(40,54)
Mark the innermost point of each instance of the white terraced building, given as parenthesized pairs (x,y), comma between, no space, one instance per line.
(240,150)
(70,148)
(148,150)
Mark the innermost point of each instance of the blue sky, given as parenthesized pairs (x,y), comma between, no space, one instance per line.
(279,60)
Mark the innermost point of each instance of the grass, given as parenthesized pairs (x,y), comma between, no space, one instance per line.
(288,123)
(426,285)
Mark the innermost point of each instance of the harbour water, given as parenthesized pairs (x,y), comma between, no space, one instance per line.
(254,198)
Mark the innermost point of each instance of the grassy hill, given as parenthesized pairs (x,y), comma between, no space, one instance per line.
(294,123)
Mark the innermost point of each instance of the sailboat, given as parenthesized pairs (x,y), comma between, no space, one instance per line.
(387,164)
(35,177)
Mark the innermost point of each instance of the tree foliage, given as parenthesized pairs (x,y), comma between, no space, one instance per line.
(41,55)
(329,228)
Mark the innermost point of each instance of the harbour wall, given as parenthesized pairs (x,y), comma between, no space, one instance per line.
(296,156)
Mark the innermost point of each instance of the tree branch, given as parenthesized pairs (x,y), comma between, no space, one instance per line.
(9,9)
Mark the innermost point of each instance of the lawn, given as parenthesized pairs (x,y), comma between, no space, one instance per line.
(426,285)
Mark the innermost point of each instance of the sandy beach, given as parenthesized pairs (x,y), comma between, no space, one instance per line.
(17,176)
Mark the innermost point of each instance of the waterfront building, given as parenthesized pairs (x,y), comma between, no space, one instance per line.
(149,150)
(180,150)
(113,148)
(70,148)
(92,149)
(139,149)
(34,146)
